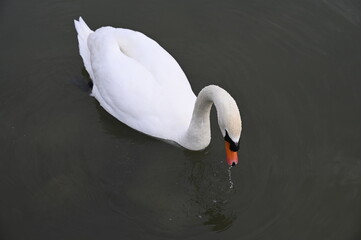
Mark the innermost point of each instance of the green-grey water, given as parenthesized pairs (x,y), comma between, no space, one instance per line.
(68,170)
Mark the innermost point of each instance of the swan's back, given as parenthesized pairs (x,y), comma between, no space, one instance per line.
(137,81)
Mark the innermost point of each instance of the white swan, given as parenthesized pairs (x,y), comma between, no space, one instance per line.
(142,85)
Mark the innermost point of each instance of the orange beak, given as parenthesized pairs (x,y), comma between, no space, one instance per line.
(232,157)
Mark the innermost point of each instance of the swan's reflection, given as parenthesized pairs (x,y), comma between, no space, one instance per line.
(211,190)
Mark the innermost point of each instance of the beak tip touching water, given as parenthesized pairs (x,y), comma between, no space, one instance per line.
(231,156)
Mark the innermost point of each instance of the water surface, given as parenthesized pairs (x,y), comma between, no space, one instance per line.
(68,170)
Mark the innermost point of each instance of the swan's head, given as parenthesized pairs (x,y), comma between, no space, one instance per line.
(232,147)
(230,124)
(232,135)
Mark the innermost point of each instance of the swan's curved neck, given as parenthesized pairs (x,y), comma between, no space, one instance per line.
(198,135)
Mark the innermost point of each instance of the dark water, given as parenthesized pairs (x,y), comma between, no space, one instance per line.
(68,170)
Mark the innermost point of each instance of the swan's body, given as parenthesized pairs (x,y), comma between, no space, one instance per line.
(142,85)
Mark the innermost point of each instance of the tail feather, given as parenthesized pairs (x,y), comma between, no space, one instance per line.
(83,33)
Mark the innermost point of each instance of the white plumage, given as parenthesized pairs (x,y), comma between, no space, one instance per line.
(143,86)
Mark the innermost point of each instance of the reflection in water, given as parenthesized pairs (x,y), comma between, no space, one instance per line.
(217,219)
(212,191)
(83,81)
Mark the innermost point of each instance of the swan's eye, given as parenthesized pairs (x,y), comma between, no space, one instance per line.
(232,145)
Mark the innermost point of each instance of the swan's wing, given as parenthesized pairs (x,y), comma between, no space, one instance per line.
(172,84)
(129,81)
(118,78)
(147,52)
